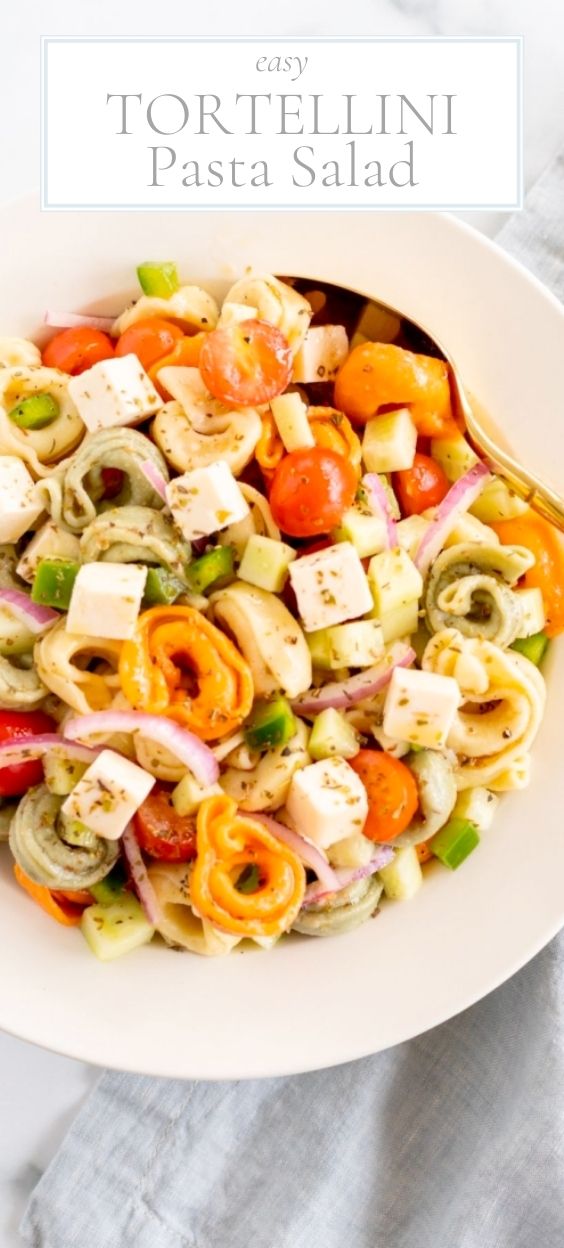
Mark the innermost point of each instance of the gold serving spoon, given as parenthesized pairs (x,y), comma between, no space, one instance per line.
(367,319)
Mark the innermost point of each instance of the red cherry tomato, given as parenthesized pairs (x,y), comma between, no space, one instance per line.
(421,486)
(112,480)
(75,350)
(149,340)
(161,832)
(311,489)
(246,364)
(392,793)
(15,726)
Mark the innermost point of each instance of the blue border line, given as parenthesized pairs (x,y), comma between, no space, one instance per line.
(46,206)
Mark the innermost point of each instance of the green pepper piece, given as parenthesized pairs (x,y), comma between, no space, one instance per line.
(271,724)
(454,842)
(161,587)
(36,412)
(249,879)
(53,582)
(107,890)
(158,278)
(208,569)
(534,647)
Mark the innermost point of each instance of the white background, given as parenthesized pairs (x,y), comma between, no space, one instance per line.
(40,1092)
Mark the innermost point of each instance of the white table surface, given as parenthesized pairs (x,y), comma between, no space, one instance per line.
(39,1091)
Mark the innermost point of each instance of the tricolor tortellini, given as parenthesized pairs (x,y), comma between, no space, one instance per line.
(274,301)
(436,786)
(82,671)
(268,637)
(341,912)
(75,492)
(195,429)
(503,697)
(37,842)
(134,535)
(178,924)
(190,306)
(469,588)
(38,448)
(265,785)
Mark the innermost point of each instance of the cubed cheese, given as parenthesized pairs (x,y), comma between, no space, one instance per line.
(110,792)
(114,392)
(327,801)
(420,707)
(206,500)
(265,563)
(330,586)
(389,442)
(324,349)
(105,600)
(290,417)
(357,644)
(394,581)
(532,607)
(234,313)
(50,542)
(18,507)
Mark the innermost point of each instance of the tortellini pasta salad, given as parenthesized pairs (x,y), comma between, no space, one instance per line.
(271,634)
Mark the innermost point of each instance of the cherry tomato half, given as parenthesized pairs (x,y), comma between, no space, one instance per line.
(75,350)
(392,793)
(149,340)
(421,486)
(246,364)
(161,832)
(311,489)
(15,726)
(112,480)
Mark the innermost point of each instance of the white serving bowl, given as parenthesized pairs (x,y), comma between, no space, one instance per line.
(309,1003)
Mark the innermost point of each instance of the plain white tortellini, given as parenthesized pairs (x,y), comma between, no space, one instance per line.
(178,924)
(190,306)
(39,448)
(196,430)
(503,697)
(265,785)
(276,302)
(64,663)
(268,636)
(19,352)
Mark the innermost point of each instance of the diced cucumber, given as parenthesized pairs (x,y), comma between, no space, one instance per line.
(454,455)
(368,534)
(188,795)
(401,622)
(158,278)
(534,648)
(352,851)
(389,442)
(319,647)
(357,644)
(111,887)
(477,806)
(161,587)
(265,563)
(394,506)
(403,876)
(534,618)
(74,832)
(272,723)
(410,533)
(469,529)
(61,774)
(290,417)
(332,735)
(113,930)
(394,581)
(53,582)
(209,568)
(455,842)
(497,502)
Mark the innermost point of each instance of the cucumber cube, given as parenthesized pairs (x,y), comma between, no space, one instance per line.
(389,442)
(477,806)
(403,877)
(352,851)
(455,842)
(320,648)
(61,774)
(454,455)
(290,417)
(111,887)
(188,795)
(532,605)
(332,735)
(113,930)
(357,644)
(401,622)
(497,502)
(394,581)
(265,563)
(367,533)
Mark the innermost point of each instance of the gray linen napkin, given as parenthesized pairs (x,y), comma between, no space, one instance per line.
(452,1140)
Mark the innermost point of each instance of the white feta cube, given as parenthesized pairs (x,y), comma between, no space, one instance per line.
(105,600)
(330,586)
(327,801)
(324,349)
(109,793)
(50,542)
(206,500)
(420,707)
(234,313)
(291,420)
(18,506)
(114,392)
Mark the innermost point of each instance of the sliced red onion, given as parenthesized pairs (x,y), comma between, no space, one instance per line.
(36,618)
(138,871)
(22,749)
(154,477)
(344,693)
(348,875)
(186,747)
(304,850)
(460,497)
(379,504)
(74,320)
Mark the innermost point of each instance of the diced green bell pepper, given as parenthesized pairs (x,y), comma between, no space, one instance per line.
(35,412)
(161,588)
(158,278)
(271,724)
(534,648)
(53,582)
(209,568)
(453,843)
(249,880)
